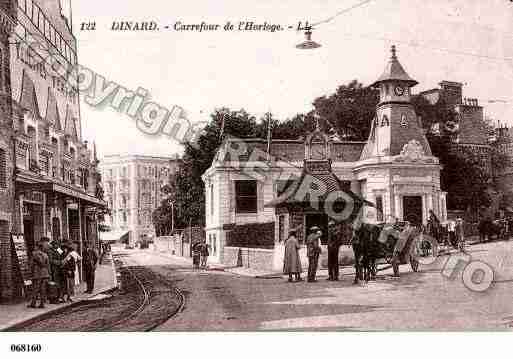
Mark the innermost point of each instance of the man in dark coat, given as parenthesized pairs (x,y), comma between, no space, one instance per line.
(89,261)
(333,249)
(40,265)
(313,250)
(55,256)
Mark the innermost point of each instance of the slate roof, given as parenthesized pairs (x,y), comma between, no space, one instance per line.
(294,150)
(52,112)
(28,98)
(394,71)
(328,179)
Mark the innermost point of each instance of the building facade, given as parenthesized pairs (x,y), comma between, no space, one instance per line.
(132,187)
(504,176)
(51,179)
(468,129)
(298,183)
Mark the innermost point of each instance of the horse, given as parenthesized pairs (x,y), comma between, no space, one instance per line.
(488,228)
(368,247)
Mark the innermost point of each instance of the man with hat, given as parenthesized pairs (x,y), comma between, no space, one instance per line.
(313,249)
(40,265)
(333,249)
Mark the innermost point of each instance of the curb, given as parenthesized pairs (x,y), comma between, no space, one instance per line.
(47,314)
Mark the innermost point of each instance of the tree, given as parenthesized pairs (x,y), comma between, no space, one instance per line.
(350,110)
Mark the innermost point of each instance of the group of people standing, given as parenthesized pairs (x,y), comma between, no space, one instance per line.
(200,253)
(56,263)
(455,236)
(292,262)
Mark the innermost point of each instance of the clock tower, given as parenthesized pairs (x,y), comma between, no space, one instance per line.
(395,123)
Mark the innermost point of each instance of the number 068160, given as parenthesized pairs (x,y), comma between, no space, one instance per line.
(25,348)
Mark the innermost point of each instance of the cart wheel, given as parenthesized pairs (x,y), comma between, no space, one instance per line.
(414,264)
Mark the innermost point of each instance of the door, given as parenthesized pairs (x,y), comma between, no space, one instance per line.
(412,209)
(56,229)
(320,220)
(28,232)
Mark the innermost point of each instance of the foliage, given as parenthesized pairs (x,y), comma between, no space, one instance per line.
(350,110)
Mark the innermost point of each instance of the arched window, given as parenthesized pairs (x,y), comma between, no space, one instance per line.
(318,148)
(384,121)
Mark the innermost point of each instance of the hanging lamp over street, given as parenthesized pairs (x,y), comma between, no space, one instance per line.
(308,43)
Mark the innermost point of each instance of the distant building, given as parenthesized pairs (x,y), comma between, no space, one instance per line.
(132,186)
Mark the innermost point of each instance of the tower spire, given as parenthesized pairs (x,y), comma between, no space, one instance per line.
(393,51)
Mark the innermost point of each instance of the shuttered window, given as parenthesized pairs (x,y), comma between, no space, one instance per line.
(44,161)
(3,169)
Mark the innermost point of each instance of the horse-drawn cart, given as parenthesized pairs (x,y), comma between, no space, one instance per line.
(376,244)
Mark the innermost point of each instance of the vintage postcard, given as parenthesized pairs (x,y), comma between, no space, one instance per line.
(263,166)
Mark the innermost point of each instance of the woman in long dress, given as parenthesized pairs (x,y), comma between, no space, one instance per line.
(291,261)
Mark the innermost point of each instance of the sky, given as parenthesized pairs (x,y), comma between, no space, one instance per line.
(468,41)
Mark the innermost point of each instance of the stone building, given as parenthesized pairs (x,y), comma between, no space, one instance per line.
(468,129)
(254,182)
(504,176)
(53,189)
(133,191)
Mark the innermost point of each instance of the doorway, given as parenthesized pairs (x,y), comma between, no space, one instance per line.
(320,220)
(56,229)
(28,233)
(412,209)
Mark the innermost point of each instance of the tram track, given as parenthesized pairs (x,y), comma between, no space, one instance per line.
(145,302)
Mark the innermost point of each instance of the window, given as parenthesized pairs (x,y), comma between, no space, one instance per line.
(384,121)
(3,169)
(281,228)
(379,208)
(211,199)
(45,164)
(246,196)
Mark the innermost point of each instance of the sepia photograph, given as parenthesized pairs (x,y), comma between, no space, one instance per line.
(326,166)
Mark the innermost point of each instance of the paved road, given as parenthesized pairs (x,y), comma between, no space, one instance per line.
(417,301)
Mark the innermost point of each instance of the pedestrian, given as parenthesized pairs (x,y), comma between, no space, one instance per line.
(55,256)
(196,254)
(400,245)
(451,232)
(40,266)
(460,234)
(291,260)
(333,249)
(89,261)
(205,252)
(313,250)
(68,268)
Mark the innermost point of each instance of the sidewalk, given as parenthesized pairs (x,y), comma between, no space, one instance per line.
(13,314)
(244,271)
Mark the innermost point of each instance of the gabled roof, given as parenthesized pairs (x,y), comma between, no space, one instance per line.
(70,124)
(28,97)
(52,112)
(394,71)
(309,183)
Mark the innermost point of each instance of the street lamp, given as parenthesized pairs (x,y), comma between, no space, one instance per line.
(308,44)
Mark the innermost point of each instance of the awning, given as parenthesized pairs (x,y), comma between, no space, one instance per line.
(67,190)
(113,236)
